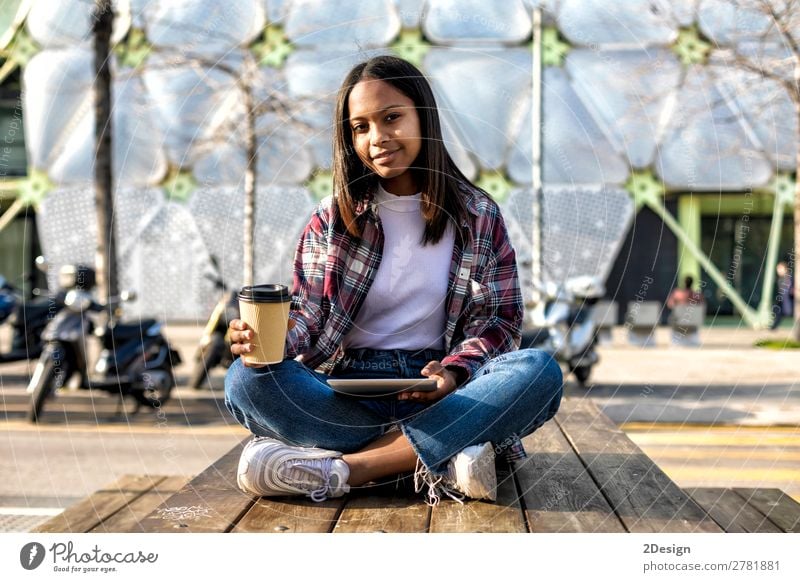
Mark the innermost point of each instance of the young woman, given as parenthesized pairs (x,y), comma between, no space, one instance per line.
(407,271)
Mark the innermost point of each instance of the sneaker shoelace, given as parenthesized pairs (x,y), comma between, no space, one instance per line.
(435,483)
(296,473)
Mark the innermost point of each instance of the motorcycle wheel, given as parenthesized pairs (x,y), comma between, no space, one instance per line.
(209,357)
(155,398)
(582,374)
(158,384)
(47,380)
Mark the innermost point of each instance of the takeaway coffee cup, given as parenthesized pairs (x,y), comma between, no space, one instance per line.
(265,309)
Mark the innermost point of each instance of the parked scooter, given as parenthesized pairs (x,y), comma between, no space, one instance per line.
(565,325)
(27,318)
(136,359)
(215,345)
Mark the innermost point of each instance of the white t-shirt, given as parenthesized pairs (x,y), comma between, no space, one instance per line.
(405,306)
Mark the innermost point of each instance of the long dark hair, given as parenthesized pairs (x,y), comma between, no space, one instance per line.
(436,175)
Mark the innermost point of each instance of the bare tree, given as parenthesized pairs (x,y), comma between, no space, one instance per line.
(754,69)
(257,98)
(105,256)
(765,46)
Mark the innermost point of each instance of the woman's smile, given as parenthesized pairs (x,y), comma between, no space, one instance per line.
(385,157)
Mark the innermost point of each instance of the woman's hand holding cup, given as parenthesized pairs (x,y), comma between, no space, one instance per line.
(260,331)
(241,334)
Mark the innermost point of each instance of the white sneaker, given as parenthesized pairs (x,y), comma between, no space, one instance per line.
(472,472)
(270,468)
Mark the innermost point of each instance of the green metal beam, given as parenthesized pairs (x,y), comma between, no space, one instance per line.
(273,47)
(10,214)
(689,215)
(647,190)
(735,204)
(767,293)
(321,183)
(756,319)
(411,46)
(554,48)
(10,189)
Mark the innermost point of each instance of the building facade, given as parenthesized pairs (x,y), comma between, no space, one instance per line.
(661,156)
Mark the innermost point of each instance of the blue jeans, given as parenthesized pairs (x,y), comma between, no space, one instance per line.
(512,395)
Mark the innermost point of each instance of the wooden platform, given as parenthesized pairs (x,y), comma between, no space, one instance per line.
(583,475)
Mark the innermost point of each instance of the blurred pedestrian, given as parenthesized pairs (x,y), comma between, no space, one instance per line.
(687,311)
(685,295)
(784,306)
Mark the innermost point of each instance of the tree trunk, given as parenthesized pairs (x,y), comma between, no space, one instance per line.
(537,276)
(250,173)
(796,250)
(105,256)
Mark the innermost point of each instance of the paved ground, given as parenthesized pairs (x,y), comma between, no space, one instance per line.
(724,414)
(725,381)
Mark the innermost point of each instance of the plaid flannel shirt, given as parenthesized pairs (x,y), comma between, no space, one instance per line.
(333,272)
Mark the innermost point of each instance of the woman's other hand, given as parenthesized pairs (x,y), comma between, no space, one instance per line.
(446,382)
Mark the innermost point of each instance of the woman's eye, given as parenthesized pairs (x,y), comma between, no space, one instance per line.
(358,128)
(392,116)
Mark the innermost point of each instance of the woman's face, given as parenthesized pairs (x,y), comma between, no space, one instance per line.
(386,133)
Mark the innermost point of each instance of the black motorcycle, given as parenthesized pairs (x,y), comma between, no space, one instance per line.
(215,346)
(136,359)
(27,318)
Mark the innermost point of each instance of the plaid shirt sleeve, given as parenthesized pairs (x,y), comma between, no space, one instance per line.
(309,306)
(491,320)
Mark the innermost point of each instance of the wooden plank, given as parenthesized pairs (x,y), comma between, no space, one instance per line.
(731,511)
(503,516)
(290,515)
(128,517)
(388,507)
(90,512)
(558,493)
(211,502)
(640,493)
(389,502)
(781,509)
(384,514)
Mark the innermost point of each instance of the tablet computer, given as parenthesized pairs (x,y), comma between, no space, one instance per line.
(381,386)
